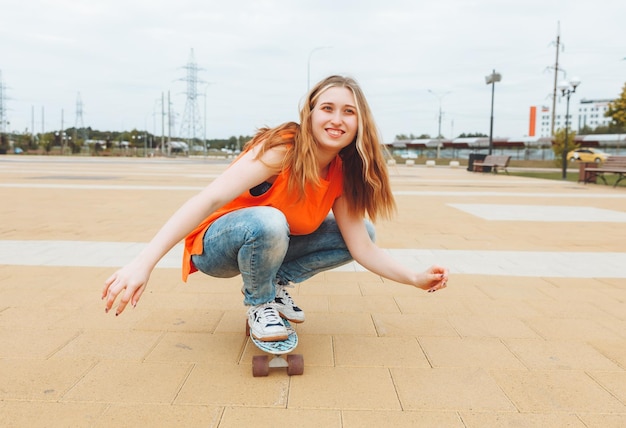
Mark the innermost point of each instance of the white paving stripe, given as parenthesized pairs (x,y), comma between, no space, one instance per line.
(541,213)
(505,263)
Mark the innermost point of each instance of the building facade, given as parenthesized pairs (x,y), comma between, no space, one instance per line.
(589,113)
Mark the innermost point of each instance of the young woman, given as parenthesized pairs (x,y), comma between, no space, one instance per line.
(297,201)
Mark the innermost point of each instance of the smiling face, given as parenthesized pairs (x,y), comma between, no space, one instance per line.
(334,119)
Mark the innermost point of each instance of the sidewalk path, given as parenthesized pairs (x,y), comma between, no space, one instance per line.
(530,332)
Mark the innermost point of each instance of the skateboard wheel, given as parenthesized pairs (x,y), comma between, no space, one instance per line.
(260,366)
(295,364)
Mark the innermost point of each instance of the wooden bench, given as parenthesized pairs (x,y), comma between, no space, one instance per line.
(613,165)
(494,162)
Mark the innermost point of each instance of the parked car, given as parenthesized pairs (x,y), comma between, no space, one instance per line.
(586,154)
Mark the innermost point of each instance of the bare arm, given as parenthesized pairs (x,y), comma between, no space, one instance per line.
(130,281)
(376,260)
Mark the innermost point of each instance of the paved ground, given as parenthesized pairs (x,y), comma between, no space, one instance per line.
(530,332)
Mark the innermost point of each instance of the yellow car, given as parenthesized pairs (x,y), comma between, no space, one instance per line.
(586,154)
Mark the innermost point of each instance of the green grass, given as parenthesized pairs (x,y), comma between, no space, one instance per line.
(572,175)
(546,175)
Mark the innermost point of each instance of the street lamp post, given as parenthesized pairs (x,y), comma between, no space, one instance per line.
(567,89)
(308,65)
(439,136)
(491,80)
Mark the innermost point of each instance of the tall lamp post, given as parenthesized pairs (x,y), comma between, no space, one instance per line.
(491,80)
(439,136)
(308,65)
(567,89)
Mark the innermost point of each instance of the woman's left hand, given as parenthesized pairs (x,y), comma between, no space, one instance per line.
(435,278)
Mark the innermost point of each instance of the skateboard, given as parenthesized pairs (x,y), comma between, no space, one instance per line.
(261,364)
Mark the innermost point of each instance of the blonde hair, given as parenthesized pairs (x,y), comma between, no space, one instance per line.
(366,184)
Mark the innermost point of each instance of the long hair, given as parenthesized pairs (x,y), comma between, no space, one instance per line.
(366,184)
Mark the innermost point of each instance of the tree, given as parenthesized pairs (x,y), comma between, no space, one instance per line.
(559,144)
(404,137)
(473,135)
(617,110)
(4,144)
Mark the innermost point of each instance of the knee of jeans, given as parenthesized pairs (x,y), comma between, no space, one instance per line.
(273,223)
(371,230)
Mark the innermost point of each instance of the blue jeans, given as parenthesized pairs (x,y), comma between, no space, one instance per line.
(255,242)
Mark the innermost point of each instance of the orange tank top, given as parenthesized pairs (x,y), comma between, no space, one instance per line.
(304,215)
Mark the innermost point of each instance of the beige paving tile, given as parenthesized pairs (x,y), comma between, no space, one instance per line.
(566,309)
(32,343)
(17,318)
(330,288)
(75,300)
(317,349)
(159,415)
(491,326)
(333,324)
(177,300)
(46,282)
(580,285)
(595,420)
(237,417)
(432,304)
(614,382)
(616,309)
(367,304)
(199,283)
(41,380)
(233,385)
(183,320)
(386,288)
(515,288)
(413,325)
(34,413)
(15,297)
(538,354)
(396,419)
(109,344)
(170,280)
(502,307)
(469,352)
(343,388)
(94,317)
(449,389)
(521,420)
(549,391)
(338,276)
(312,303)
(362,351)
(178,347)
(233,322)
(617,283)
(615,350)
(591,291)
(463,286)
(618,326)
(570,329)
(130,382)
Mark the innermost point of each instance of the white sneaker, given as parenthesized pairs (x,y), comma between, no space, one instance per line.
(285,305)
(265,323)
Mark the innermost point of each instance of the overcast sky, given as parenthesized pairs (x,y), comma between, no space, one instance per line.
(254,56)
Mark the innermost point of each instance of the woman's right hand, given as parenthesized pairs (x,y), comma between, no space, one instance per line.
(128,283)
